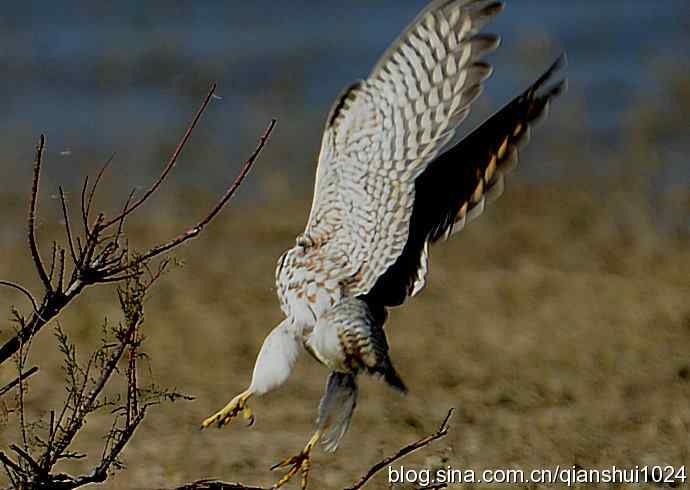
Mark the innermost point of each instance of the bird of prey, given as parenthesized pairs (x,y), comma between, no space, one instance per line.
(392,178)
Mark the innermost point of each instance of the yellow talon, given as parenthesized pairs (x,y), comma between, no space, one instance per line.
(300,462)
(230,411)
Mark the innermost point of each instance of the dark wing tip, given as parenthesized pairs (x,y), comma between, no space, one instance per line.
(491,9)
(560,63)
(496,7)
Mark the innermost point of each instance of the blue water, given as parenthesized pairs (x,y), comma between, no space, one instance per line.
(98,77)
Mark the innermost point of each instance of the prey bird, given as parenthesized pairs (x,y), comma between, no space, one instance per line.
(392,178)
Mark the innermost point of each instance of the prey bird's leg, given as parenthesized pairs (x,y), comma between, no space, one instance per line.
(335,412)
(272,368)
(234,407)
(301,462)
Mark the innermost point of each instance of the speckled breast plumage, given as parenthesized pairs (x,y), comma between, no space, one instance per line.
(308,284)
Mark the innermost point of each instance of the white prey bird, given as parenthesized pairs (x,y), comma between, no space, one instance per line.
(391,179)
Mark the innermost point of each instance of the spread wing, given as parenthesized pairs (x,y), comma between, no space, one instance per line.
(454,188)
(383,132)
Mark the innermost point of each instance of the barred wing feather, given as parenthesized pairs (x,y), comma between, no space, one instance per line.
(454,188)
(383,132)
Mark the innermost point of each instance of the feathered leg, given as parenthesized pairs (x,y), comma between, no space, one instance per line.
(272,368)
(335,413)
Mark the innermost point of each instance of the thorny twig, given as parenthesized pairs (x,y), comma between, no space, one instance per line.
(84,392)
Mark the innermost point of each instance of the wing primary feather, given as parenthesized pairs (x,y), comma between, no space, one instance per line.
(456,186)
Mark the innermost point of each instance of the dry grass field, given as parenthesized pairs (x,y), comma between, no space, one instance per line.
(557,325)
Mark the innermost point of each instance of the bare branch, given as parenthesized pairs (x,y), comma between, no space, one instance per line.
(53,256)
(121,223)
(35,467)
(32,215)
(83,407)
(171,162)
(100,473)
(118,278)
(410,448)
(100,255)
(6,460)
(194,231)
(21,360)
(61,269)
(84,217)
(22,289)
(16,381)
(68,231)
(86,208)
(52,430)
(217,485)
(100,258)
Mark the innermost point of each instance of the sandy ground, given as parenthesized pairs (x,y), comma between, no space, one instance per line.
(557,326)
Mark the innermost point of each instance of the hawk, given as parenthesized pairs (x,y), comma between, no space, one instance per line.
(392,178)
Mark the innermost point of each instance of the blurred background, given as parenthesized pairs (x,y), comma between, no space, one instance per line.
(560,320)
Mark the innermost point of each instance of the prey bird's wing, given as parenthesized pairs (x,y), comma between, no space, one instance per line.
(383,132)
(455,187)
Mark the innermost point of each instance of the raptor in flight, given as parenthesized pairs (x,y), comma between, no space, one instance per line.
(392,178)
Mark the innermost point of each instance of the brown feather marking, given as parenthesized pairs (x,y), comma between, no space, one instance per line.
(490,169)
(461,213)
(502,149)
(478,191)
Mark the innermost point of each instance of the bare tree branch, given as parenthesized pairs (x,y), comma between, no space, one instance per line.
(171,162)
(212,484)
(65,215)
(60,272)
(32,215)
(22,289)
(410,448)
(15,382)
(86,204)
(99,255)
(194,231)
(8,462)
(85,405)
(26,457)
(100,258)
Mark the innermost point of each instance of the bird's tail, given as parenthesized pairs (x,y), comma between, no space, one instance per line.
(336,408)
